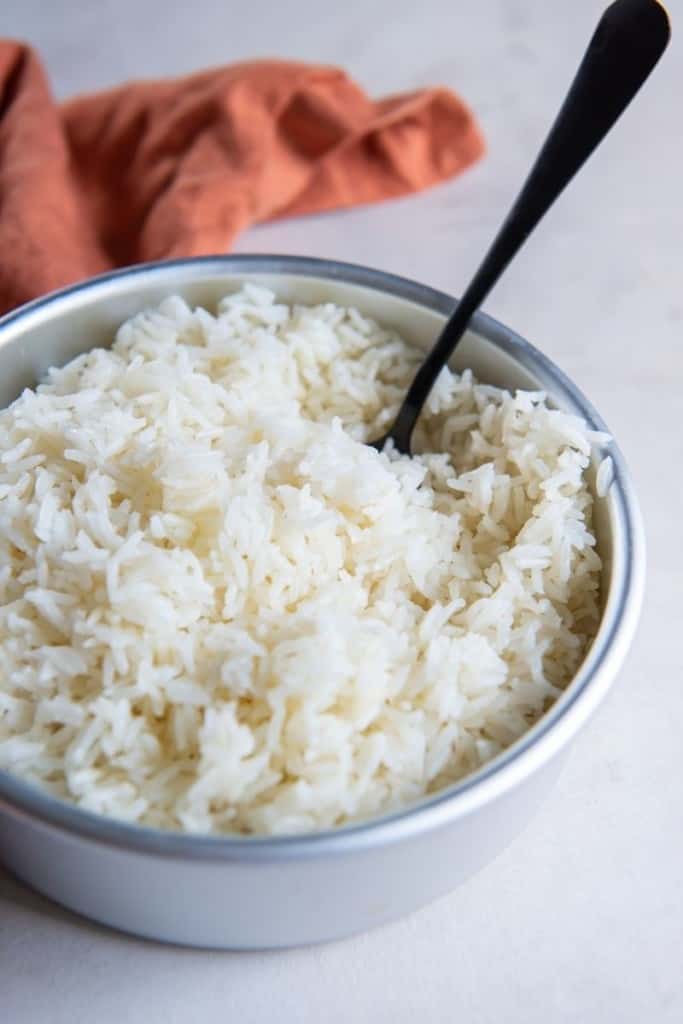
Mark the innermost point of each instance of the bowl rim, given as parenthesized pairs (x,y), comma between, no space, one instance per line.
(508,769)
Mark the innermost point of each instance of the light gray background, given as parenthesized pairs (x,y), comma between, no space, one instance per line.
(582,918)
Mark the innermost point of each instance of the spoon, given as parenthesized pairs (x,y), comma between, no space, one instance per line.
(629,40)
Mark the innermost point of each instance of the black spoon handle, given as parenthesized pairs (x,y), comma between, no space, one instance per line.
(628,42)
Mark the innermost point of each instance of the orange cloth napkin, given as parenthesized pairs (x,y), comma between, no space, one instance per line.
(161,169)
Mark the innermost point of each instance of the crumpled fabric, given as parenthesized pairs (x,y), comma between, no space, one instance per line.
(154,170)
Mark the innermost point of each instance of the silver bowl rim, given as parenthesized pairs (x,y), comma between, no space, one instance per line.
(537,746)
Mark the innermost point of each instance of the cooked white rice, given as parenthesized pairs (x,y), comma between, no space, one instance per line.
(221,612)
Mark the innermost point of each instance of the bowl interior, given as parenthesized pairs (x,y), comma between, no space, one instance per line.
(88,318)
(54,330)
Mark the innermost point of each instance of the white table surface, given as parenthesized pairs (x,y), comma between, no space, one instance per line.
(581,919)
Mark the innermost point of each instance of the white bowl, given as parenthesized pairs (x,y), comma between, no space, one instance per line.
(250,892)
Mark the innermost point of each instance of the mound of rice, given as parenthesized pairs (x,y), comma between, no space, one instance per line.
(221,612)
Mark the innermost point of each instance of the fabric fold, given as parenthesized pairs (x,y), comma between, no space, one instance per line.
(161,169)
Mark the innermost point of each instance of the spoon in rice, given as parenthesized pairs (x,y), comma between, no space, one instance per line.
(629,40)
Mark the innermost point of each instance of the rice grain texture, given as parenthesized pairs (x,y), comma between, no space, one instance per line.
(221,612)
